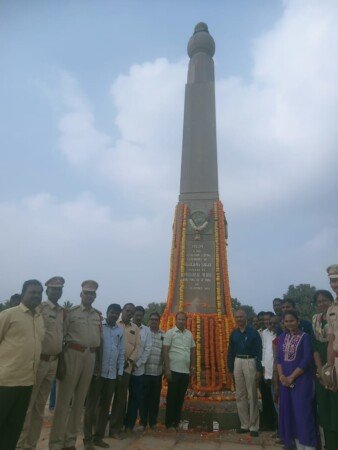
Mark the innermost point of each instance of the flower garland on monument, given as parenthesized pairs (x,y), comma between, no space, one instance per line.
(210,331)
(182,262)
(219,292)
(198,351)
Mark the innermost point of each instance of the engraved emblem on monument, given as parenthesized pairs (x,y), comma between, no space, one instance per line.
(198,222)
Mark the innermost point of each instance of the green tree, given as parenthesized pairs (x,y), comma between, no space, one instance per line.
(236,304)
(303,296)
(152,307)
(4,305)
(67,304)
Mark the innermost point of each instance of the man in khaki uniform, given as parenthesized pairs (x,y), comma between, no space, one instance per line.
(21,335)
(132,342)
(332,318)
(82,333)
(52,315)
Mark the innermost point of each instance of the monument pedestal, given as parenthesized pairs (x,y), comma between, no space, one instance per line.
(199,286)
(201,413)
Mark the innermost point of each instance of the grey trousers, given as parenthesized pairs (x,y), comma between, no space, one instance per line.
(36,410)
(98,402)
(118,410)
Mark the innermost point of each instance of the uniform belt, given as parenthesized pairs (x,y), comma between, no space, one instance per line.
(245,357)
(81,348)
(47,358)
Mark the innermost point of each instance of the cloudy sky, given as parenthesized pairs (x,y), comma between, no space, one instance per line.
(91,116)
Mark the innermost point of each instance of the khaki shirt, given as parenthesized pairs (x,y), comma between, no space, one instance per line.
(132,342)
(21,336)
(180,343)
(83,327)
(53,320)
(332,320)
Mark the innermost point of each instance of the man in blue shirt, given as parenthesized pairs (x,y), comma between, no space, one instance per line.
(245,366)
(109,370)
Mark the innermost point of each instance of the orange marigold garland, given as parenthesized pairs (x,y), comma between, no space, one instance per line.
(206,350)
(182,261)
(198,351)
(175,255)
(210,331)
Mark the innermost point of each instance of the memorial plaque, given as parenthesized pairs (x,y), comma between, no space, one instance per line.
(199,280)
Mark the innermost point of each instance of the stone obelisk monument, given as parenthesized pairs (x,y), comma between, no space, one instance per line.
(199,282)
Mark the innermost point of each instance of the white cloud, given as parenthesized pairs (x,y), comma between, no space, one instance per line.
(80,141)
(81,239)
(278,127)
(278,134)
(145,157)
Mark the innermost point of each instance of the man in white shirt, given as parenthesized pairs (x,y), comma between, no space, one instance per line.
(268,335)
(136,388)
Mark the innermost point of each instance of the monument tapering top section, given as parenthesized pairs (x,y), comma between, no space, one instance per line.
(199,175)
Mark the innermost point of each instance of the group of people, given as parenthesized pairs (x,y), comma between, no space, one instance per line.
(109,369)
(294,365)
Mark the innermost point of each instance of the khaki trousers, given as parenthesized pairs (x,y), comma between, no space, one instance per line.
(71,396)
(36,410)
(246,393)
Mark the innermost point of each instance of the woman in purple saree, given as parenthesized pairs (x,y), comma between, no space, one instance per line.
(297,413)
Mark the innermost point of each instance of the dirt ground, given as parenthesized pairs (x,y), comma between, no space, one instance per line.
(182,440)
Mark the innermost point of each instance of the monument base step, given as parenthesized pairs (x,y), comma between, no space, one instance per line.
(202,415)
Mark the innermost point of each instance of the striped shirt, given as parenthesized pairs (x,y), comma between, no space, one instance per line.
(154,365)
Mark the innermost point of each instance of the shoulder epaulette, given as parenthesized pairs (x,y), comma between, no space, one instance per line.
(74,307)
(99,313)
(43,304)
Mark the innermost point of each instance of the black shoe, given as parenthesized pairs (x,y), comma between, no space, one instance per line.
(254,433)
(242,430)
(98,442)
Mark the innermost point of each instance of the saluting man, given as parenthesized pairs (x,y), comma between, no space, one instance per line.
(82,332)
(52,315)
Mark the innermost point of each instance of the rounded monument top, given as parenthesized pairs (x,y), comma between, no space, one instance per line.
(201,41)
